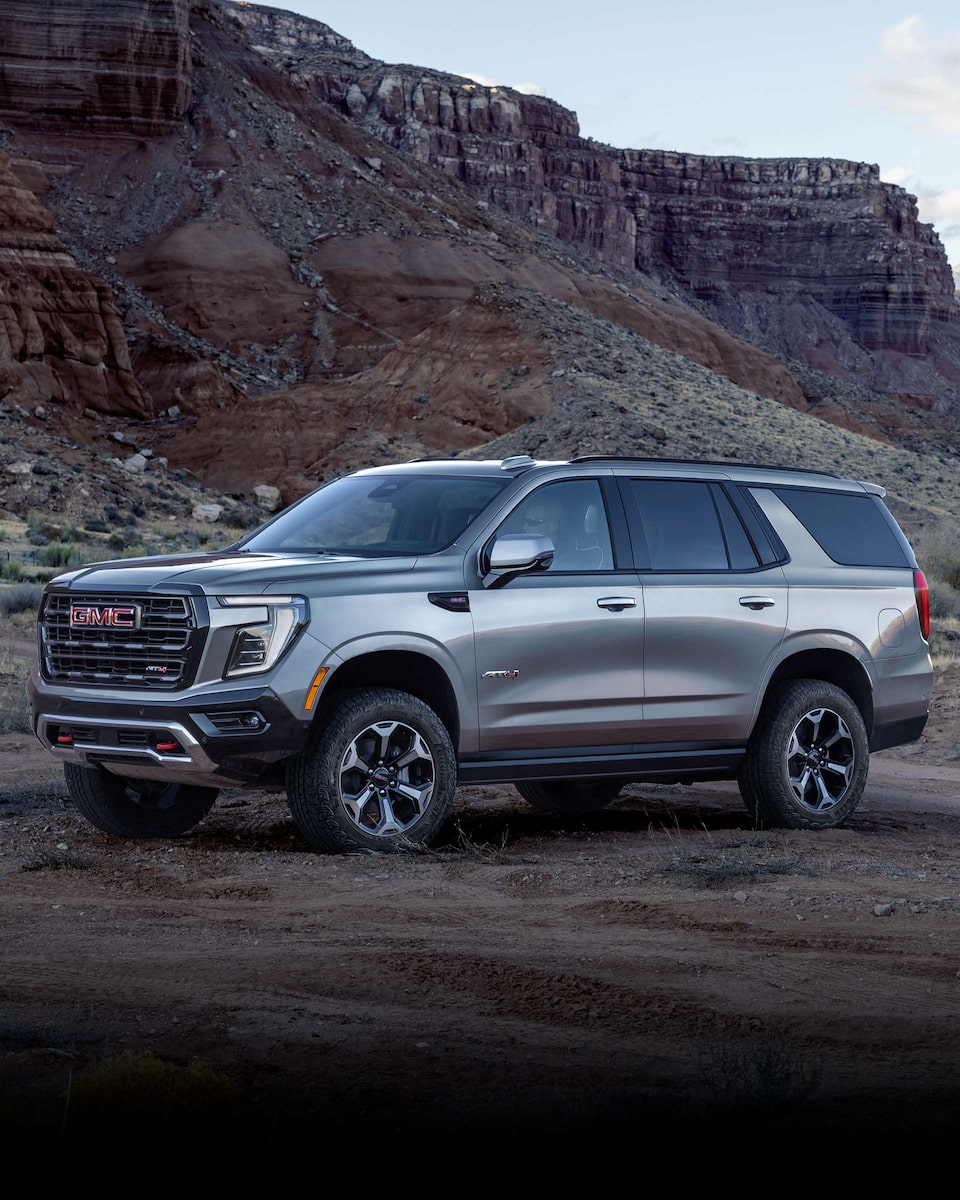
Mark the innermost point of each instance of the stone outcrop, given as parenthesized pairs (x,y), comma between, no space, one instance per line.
(323,262)
(61,337)
(98,65)
(733,233)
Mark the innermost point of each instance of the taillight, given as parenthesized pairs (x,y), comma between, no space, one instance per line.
(922,593)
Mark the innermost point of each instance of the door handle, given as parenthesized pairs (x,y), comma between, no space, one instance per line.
(616,603)
(757,602)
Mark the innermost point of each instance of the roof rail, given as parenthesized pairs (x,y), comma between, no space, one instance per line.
(518,462)
(700,462)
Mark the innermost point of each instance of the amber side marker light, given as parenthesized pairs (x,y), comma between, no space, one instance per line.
(314,688)
(922,593)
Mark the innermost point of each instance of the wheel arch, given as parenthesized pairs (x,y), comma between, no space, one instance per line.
(406,671)
(838,667)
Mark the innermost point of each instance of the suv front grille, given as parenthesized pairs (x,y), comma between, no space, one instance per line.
(161,654)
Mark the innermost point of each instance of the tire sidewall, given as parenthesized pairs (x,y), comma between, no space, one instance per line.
(779,803)
(570,798)
(101,797)
(359,711)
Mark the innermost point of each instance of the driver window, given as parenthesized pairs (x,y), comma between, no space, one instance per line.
(572,515)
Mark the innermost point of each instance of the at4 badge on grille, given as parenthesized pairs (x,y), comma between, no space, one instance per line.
(111,616)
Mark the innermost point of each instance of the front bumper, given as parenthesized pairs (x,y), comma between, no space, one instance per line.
(208,740)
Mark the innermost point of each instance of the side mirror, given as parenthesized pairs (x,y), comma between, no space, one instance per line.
(513,554)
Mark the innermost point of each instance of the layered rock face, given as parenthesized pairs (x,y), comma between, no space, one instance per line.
(100,65)
(735,233)
(61,337)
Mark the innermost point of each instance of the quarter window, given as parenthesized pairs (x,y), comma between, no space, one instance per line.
(853,528)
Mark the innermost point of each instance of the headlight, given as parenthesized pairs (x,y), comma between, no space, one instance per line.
(274,622)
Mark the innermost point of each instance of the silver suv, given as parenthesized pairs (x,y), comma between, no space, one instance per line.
(563,626)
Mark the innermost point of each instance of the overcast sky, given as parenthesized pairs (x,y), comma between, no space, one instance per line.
(874,81)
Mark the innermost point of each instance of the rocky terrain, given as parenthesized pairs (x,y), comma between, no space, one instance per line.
(343,262)
(656,972)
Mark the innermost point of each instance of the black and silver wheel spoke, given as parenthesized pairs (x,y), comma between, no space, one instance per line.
(820,759)
(386,778)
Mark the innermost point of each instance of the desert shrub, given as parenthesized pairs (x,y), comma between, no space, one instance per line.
(12,569)
(59,554)
(121,539)
(938,553)
(241,518)
(134,1093)
(760,1075)
(944,601)
(38,539)
(22,597)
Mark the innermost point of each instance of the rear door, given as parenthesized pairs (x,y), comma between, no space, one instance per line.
(715,601)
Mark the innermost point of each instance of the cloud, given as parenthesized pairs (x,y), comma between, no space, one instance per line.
(938,206)
(483,80)
(921,78)
(906,39)
(897,175)
(528,89)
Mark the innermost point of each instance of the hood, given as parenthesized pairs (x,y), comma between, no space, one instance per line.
(224,571)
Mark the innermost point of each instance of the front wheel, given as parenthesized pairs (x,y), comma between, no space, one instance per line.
(806,764)
(379,774)
(570,796)
(136,808)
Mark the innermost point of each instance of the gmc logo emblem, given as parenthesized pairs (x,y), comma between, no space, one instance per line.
(116,616)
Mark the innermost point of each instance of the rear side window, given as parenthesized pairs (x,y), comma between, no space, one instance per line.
(687,525)
(854,529)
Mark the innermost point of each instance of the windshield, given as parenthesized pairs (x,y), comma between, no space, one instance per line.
(371,515)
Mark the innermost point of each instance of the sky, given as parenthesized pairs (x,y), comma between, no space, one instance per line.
(874,81)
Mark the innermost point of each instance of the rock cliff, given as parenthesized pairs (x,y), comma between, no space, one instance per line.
(117,65)
(826,238)
(61,337)
(325,262)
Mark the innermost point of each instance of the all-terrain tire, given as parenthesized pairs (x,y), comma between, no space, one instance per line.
(570,796)
(379,774)
(806,763)
(136,808)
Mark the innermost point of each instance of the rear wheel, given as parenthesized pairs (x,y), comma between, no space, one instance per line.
(806,764)
(136,808)
(379,774)
(570,796)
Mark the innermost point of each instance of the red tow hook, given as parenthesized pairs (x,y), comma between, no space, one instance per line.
(65,739)
(168,747)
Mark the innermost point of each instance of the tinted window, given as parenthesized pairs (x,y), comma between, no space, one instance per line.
(853,529)
(679,522)
(371,515)
(572,515)
(739,549)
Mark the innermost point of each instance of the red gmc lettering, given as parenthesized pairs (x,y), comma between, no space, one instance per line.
(122,618)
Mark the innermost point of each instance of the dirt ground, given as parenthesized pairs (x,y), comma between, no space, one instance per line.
(659,968)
